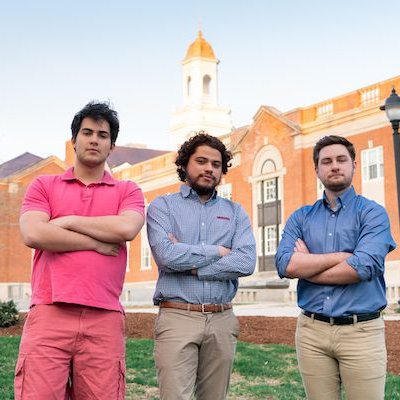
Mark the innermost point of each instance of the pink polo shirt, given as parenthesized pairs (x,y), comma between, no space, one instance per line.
(80,277)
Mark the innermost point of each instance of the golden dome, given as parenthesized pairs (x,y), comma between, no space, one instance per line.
(200,48)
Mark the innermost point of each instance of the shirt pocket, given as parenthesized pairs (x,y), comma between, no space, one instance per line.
(347,239)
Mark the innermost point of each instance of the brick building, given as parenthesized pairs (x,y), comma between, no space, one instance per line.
(272,175)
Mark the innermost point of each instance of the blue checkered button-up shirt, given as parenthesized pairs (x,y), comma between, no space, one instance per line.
(199,229)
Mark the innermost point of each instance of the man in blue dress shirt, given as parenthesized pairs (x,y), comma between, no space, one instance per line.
(337,249)
(202,244)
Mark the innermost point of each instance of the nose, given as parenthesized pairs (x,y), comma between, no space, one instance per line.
(209,168)
(94,139)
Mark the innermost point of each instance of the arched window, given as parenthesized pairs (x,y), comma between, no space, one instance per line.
(206,84)
(267,194)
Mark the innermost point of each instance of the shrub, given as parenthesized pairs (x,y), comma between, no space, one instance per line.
(8,313)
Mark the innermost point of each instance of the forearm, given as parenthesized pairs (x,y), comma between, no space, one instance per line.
(181,257)
(45,236)
(306,265)
(109,228)
(340,274)
(239,262)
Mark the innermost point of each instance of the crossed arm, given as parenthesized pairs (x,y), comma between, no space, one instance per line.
(103,234)
(327,269)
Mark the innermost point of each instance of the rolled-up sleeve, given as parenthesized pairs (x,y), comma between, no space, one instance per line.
(374,243)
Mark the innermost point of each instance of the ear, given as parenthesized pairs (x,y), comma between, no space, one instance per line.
(73,141)
(111,149)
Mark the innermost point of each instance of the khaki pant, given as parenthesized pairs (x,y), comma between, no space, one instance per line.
(194,353)
(350,355)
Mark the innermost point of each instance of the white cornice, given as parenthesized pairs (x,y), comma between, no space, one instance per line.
(348,127)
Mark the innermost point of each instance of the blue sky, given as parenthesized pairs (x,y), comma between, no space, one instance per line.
(55,56)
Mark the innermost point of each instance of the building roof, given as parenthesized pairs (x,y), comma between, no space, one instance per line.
(200,48)
(132,155)
(18,163)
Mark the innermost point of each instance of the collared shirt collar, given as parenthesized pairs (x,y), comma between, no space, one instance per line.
(342,200)
(106,180)
(187,191)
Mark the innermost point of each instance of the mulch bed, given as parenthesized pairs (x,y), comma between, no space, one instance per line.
(260,330)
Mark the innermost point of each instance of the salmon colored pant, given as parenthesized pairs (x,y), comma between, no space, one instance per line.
(73,352)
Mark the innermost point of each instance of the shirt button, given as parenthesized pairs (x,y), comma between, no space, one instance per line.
(329,234)
(202,243)
(202,224)
(327,297)
(333,215)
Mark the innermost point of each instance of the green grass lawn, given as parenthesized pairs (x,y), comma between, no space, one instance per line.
(260,372)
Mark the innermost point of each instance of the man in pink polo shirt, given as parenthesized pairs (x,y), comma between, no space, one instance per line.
(78,223)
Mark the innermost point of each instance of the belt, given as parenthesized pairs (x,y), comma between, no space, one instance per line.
(347,320)
(204,308)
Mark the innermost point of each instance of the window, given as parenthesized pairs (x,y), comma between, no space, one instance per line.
(145,262)
(225,191)
(320,189)
(206,85)
(372,163)
(189,85)
(267,239)
(268,219)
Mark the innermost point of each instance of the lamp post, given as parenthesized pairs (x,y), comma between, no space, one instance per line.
(392,109)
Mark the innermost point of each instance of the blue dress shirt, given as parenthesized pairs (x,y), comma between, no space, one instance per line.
(199,228)
(358,226)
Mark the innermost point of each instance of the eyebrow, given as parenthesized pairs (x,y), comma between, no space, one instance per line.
(92,130)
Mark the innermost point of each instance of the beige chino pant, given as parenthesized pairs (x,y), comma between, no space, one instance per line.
(194,353)
(350,355)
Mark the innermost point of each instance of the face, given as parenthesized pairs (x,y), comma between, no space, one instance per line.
(204,170)
(93,142)
(335,168)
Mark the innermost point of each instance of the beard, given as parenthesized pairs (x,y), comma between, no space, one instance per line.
(202,190)
(337,186)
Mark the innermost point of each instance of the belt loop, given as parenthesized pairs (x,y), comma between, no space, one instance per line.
(331,321)
(354,319)
(188,306)
(222,308)
(312,317)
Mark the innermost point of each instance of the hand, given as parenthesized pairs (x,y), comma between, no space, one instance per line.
(223,251)
(300,247)
(108,249)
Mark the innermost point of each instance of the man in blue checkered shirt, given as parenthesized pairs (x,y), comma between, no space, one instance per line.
(202,244)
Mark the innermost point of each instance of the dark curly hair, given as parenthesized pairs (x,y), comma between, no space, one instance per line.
(98,112)
(188,148)
(329,140)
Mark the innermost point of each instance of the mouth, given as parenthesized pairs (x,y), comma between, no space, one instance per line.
(208,178)
(92,150)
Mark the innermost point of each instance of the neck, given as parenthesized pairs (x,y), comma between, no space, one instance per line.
(87,174)
(332,196)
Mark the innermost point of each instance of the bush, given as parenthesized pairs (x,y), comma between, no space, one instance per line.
(8,313)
